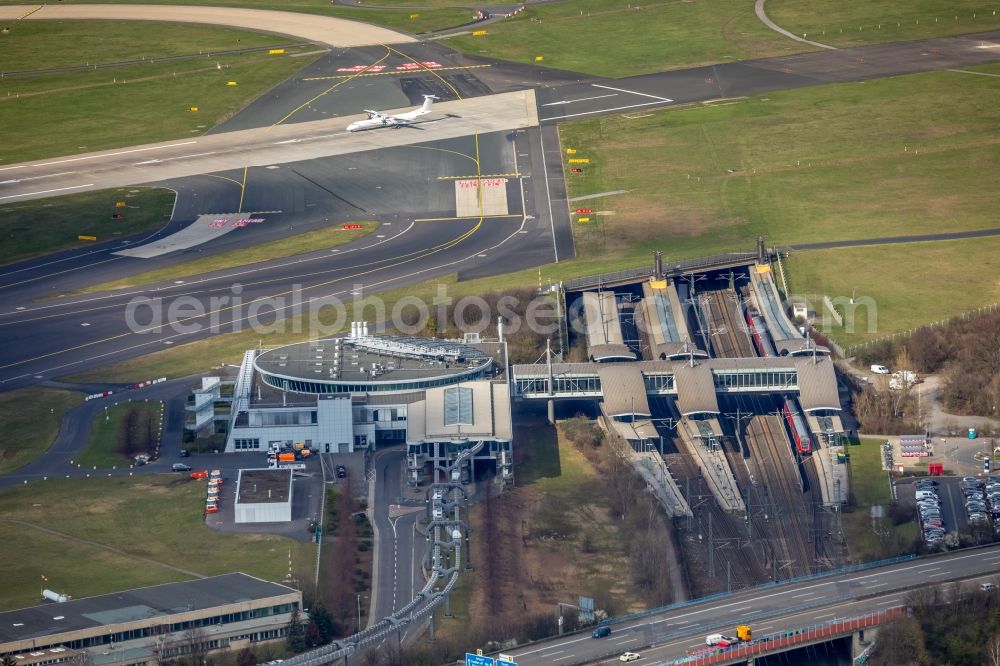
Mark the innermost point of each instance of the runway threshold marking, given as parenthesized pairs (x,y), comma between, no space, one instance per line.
(392,73)
(403,259)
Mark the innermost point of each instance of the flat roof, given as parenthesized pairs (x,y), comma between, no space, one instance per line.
(340,360)
(264,486)
(135,605)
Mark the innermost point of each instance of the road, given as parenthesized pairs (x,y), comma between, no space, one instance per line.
(767,608)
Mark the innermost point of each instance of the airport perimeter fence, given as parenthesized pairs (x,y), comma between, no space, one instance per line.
(764,586)
(789,639)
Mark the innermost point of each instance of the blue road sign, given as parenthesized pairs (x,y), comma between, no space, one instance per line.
(478,660)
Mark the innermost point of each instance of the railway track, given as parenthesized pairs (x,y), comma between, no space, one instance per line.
(767,436)
(726,331)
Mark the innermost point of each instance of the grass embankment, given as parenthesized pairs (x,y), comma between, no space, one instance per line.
(873,540)
(159,518)
(31,419)
(617,39)
(121,432)
(912,154)
(431,14)
(61,113)
(856,22)
(286,247)
(909,285)
(42,226)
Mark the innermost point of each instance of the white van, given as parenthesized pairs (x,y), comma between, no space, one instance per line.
(879,369)
(926,494)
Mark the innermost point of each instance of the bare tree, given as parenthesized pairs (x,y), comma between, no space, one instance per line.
(993,650)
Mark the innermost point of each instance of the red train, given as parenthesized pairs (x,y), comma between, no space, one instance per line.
(761,338)
(797,426)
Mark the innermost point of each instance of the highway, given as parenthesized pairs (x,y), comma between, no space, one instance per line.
(768,608)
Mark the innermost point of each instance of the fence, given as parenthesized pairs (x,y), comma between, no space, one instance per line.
(787,639)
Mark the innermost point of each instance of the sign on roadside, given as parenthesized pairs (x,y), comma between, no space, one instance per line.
(478,660)
(579,160)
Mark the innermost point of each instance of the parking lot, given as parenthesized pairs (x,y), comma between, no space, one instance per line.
(950,493)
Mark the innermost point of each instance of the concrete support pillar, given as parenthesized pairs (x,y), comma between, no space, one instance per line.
(551,404)
(447,605)
(861,640)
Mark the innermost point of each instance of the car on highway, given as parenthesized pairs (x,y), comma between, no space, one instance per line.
(629,656)
(181,467)
(601,632)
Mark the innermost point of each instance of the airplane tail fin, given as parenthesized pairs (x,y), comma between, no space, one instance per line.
(428,100)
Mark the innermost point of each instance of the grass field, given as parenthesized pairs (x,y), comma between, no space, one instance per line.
(42,226)
(286,247)
(855,22)
(870,487)
(910,154)
(30,419)
(63,113)
(158,517)
(617,39)
(910,285)
(102,447)
(432,14)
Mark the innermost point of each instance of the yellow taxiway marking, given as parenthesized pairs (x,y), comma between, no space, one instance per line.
(467,217)
(392,73)
(388,52)
(485,175)
(458,95)
(28,13)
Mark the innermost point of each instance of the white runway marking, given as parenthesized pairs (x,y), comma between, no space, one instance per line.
(97,156)
(582,99)
(58,189)
(633,92)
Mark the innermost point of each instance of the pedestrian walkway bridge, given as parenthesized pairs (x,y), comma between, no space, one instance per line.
(696,386)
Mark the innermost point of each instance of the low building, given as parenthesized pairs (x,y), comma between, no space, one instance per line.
(264,496)
(151,625)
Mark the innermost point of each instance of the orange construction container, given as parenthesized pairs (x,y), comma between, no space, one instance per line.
(286,457)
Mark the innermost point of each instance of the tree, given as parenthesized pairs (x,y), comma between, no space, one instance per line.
(313,636)
(8,661)
(324,622)
(296,633)
(194,639)
(900,643)
(246,657)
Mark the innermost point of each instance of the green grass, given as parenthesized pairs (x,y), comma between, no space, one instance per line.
(286,247)
(870,487)
(42,226)
(30,419)
(616,39)
(73,112)
(81,569)
(910,154)
(432,14)
(101,451)
(910,285)
(158,517)
(838,23)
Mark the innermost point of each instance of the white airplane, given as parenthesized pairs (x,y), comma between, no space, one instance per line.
(378,119)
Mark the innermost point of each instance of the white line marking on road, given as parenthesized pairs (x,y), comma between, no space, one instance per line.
(806,594)
(965,71)
(888,601)
(619,108)
(58,189)
(99,155)
(24,180)
(940,573)
(819,617)
(878,584)
(633,92)
(582,99)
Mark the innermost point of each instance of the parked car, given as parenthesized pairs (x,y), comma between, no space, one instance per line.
(181,467)
(986,587)
(341,471)
(879,369)
(184,453)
